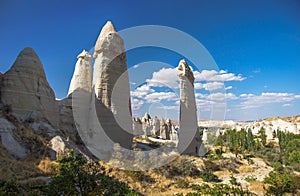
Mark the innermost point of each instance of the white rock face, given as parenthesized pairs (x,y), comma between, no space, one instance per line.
(82,77)
(137,126)
(189,138)
(25,88)
(155,126)
(58,146)
(8,141)
(270,126)
(112,109)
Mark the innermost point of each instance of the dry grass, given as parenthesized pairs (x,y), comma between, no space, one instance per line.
(157,185)
(31,166)
(15,169)
(48,167)
(245,169)
(257,187)
(221,174)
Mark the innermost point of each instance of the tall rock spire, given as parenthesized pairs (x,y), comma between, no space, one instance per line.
(108,29)
(111,86)
(189,137)
(26,89)
(82,77)
(110,63)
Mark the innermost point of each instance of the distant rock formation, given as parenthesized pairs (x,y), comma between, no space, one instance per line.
(155,126)
(189,138)
(163,129)
(270,125)
(25,88)
(137,126)
(146,124)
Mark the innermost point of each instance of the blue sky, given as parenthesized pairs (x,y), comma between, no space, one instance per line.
(256,45)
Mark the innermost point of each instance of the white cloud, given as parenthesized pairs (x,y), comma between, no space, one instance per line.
(210,86)
(208,80)
(136,104)
(198,85)
(142,91)
(228,87)
(213,75)
(223,71)
(159,96)
(169,107)
(166,77)
(255,101)
(213,86)
(217,96)
(222,96)
(136,66)
(231,96)
(287,105)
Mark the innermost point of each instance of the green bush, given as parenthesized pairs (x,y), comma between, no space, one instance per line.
(278,167)
(217,189)
(182,166)
(281,183)
(292,153)
(234,181)
(10,188)
(250,161)
(181,183)
(250,178)
(78,177)
(208,176)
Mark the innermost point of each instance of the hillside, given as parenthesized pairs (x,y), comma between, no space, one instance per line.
(290,119)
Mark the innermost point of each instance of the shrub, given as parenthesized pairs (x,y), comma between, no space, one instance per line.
(138,176)
(217,189)
(250,161)
(182,166)
(208,176)
(76,176)
(10,188)
(282,183)
(250,178)
(181,183)
(278,167)
(234,181)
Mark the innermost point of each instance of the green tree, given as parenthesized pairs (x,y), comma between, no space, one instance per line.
(292,153)
(251,141)
(281,183)
(10,188)
(263,136)
(77,176)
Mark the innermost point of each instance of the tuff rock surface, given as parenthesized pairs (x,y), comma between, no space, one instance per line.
(111,107)
(189,138)
(25,88)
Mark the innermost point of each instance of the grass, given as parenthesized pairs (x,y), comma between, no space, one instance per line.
(257,187)
(48,167)
(245,169)
(16,169)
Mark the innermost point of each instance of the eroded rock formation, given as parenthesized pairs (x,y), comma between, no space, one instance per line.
(189,138)
(25,88)
(82,77)
(81,83)
(111,89)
